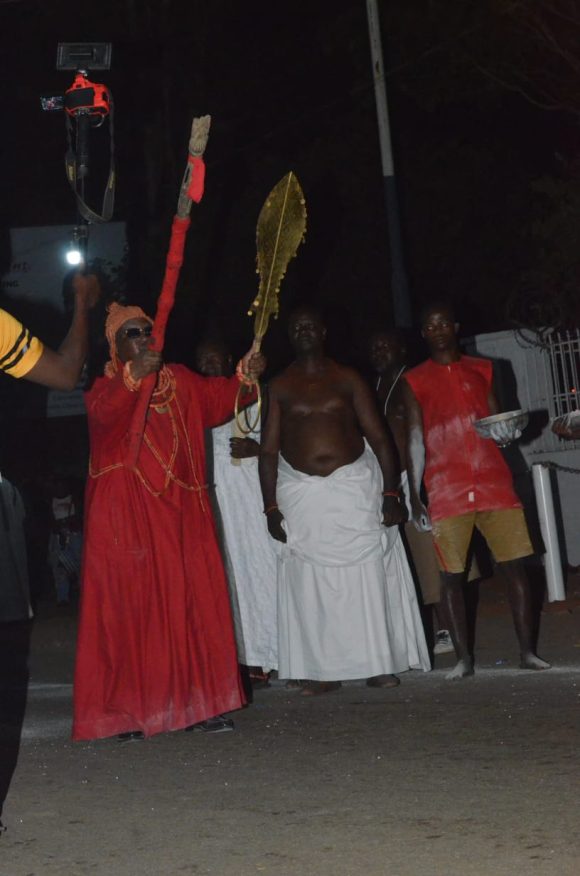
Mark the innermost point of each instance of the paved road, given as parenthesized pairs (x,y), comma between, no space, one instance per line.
(472,778)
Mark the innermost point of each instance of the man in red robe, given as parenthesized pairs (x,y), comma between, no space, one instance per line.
(156,649)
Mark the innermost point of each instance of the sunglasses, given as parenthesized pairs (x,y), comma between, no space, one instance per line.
(134,332)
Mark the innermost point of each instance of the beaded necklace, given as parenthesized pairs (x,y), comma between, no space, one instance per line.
(394,383)
(163,400)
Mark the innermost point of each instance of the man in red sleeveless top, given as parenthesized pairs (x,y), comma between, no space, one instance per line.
(467,481)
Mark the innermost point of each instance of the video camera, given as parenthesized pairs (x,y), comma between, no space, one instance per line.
(83,95)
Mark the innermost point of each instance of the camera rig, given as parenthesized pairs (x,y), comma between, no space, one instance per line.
(86,105)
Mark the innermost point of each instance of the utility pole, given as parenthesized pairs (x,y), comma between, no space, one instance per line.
(399,283)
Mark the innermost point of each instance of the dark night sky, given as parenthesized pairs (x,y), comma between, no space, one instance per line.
(289,87)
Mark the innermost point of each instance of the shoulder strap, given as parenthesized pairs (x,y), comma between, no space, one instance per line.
(70,162)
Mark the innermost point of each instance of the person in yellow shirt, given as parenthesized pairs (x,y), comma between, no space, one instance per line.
(23,355)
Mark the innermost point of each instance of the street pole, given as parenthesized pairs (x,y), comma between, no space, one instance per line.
(548,527)
(399,284)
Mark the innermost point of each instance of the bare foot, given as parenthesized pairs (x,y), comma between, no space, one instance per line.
(383,681)
(532,661)
(461,670)
(258,678)
(317,688)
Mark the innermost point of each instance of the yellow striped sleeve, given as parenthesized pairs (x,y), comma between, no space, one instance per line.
(19,350)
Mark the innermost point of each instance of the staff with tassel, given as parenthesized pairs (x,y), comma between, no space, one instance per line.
(192,187)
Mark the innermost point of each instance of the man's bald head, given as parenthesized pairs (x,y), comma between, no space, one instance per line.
(306,329)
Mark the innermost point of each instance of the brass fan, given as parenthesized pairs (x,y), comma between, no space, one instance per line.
(280,231)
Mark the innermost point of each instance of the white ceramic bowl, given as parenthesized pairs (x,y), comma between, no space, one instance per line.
(514,420)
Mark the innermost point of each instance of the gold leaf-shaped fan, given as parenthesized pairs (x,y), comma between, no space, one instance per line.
(280,231)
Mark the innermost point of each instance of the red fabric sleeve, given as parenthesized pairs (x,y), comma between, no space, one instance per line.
(110,404)
(487,369)
(218,397)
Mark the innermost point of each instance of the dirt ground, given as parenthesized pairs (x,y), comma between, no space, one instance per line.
(477,777)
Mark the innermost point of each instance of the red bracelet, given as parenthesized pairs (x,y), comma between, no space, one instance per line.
(394,493)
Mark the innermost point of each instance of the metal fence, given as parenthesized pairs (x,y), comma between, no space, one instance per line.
(553,377)
(564,354)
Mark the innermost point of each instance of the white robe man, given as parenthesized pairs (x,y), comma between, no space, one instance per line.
(346,602)
(249,554)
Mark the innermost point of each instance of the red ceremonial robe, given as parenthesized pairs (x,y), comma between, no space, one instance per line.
(156,649)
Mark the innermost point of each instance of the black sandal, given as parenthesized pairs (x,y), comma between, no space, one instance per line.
(132,736)
(217,724)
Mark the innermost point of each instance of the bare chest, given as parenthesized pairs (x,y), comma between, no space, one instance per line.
(315,397)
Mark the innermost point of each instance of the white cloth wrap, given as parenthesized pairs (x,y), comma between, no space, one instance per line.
(346,603)
(250,551)
(406,493)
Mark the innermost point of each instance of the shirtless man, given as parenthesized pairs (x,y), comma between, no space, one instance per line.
(468,482)
(388,356)
(322,486)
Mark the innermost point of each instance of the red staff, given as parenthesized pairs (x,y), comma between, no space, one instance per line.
(191,190)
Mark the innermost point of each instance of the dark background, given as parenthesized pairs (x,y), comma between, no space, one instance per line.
(484,103)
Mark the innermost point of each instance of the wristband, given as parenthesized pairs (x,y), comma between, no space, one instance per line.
(270,508)
(394,493)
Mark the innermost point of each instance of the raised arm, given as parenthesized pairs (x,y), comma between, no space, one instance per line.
(268,465)
(61,369)
(218,394)
(111,402)
(374,430)
(415,457)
